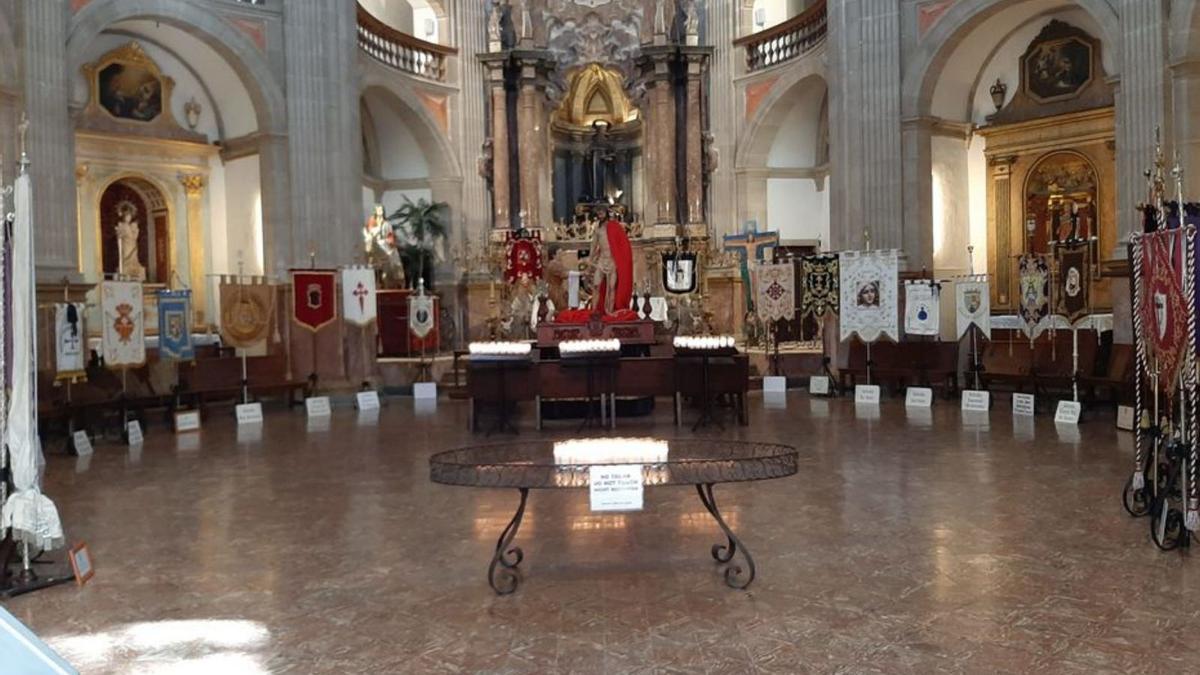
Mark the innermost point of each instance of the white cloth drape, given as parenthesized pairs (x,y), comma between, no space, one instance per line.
(31,515)
(922,309)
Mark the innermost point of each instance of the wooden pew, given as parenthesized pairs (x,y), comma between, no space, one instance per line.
(1114,377)
(220,379)
(932,364)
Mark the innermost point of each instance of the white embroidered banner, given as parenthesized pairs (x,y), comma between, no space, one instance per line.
(922,313)
(420,315)
(358,295)
(69,341)
(973,305)
(776,292)
(124,341)
(869,304)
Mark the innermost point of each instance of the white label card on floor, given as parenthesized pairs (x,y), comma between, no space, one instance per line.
(918,397)
(133,430)
(974,400)
(249,413)
(367,400)
(83,444)
(425,390)
(1067,412)
(317,406)
(616,488)
(1125,418)
(818,385)
(187,421)
(1023,404)
(866,394)
(774,384)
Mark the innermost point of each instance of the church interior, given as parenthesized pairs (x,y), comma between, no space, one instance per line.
(599,336)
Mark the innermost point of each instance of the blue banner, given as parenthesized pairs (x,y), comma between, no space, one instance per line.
(175,325)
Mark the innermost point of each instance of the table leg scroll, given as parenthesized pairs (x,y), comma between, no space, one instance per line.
(735,575)
(503,575)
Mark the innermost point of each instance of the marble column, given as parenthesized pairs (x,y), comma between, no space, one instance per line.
(881,163)
(324,135)
(501,197)
(193,186)
(1141,104)
(529,141)
(660,121)
(51,137)
(474,216)
(694,170)
(727,63)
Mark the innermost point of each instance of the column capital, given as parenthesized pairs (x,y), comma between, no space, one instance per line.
(193,183)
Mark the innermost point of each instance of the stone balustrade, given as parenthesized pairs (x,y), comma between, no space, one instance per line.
(400,50)
(786,41)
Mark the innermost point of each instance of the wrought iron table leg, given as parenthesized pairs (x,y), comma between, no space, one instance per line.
(735,575)
(503,575)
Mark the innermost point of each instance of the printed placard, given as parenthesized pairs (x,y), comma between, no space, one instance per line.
(367,400)
(425,390)
(249,413)
(975,400)
(866,394)
(83,444)
(1125,417)
(1067,412)
(818,385)
(774,384)
(188,420)
(1023,404)
(918,397)
(616,488)
(317,406)
(133,431)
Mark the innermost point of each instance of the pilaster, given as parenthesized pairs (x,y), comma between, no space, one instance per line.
(193,187)
(1141,105)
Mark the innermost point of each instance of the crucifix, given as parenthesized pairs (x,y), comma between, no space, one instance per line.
(749,245)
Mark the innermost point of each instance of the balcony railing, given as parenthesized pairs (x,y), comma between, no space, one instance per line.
(786,41)
(401,50)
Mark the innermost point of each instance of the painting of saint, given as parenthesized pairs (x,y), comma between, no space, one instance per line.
(1058,68)
(131,92)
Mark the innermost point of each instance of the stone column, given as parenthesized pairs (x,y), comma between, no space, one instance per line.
(1186,99)
(277,235)
(474,215)
(529,141)
(1141,103)
(917,235)
(193,186)
(501,197)
(660,124)
(51,137)
(694,170)
(727,63)
(881,163)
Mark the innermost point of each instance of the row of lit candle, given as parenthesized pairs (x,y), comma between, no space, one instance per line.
(584,451)
(704,342)
(574,347)
(500,348)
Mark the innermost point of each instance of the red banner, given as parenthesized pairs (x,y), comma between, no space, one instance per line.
(314,300)
(1163,307)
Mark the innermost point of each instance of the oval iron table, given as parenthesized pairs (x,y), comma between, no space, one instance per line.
(532,465)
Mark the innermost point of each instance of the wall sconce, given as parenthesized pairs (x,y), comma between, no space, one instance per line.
(191,110)
(998,91)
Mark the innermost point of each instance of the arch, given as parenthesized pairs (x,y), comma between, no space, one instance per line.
(434,144)
(756,143)
(144,185)
(960,21)
(250,64)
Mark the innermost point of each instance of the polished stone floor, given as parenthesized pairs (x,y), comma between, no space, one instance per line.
(904,545)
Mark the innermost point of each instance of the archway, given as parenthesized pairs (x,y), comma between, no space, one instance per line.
(135,231)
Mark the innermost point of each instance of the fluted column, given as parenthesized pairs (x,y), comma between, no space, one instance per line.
(1140,106)
(845,125)
(324,143)
(474,217)
(722,105)
(193,186)
(51,137)
(882,164)
(277,234)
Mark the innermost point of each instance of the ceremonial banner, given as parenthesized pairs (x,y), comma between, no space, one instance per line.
(820,278)
(175,325)
(922,313)
(1074,275)
(868,303)
(246,311)
(776,292)
(358,295)
(421,315)
(69,341)
(679,272)
(123,339)
(314,300)
(973,305)
(1033,282)
(523,256)
(1163,307)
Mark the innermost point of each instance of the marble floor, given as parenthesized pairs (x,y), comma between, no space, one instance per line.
(904,545)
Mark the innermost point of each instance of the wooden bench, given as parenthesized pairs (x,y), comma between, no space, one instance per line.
(1045,369)
(1114,377)
(932,364)
(220,379)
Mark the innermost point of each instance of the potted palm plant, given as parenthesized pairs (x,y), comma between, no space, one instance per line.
(420,229)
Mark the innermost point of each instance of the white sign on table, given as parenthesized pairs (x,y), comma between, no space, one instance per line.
(1023,404)
(133,430)
(83,444)
(1125,417)
(818,385)
(187,421)
(976,400)
(367,400)
(866,394)
(918,397)
(317,406)
(249,413)
(616,488)
(1067,412)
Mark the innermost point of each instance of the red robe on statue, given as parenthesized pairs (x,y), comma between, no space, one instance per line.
(622,253)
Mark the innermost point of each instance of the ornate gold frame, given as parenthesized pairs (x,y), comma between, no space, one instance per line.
(130,54)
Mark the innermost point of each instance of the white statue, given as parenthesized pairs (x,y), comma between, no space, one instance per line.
(495,35)
(692,23)
(380,245)
(127,243)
